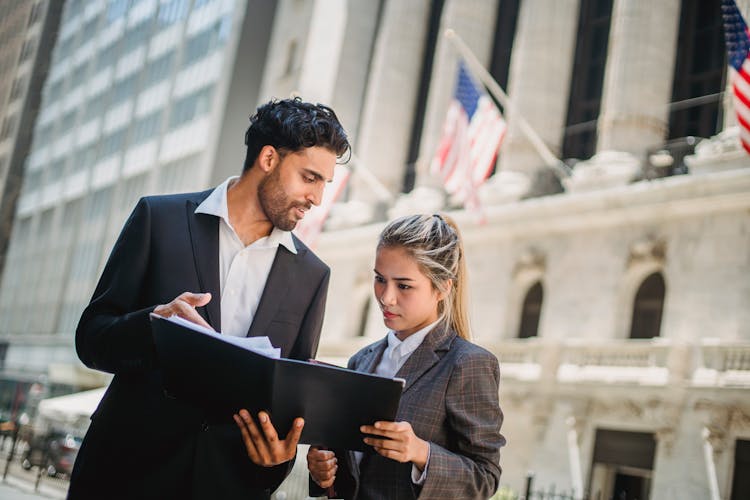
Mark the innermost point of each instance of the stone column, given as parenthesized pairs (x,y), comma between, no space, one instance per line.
(323,49)
(305,50)
(539,80)
(638,77)
(354,63)
(390,98)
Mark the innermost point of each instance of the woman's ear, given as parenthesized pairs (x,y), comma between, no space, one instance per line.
(448,286)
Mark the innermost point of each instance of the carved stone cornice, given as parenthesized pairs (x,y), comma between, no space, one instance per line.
(648,249)
(531,260)
(722,421)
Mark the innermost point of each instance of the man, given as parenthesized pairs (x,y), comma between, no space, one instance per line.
(222,258)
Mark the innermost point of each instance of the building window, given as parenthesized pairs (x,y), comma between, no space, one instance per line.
(171,11)
(532,310)
(9,126)
(741,478)
(112,144)
(647,308)
(124,89)
(622,466)
(700,68)
(159,69)
(106,56)
(433,32)
(505,32)
(291,58)
(89,29)
(207,41)
(26,50)
(34,14)
(147,128)
(587,80)
(117,9)
(190,107)
(17,89)
(364,312)
(136,36)
(95,106)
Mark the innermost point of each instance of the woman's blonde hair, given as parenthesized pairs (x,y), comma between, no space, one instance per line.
(434,241)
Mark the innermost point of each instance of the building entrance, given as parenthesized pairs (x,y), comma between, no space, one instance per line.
(622,465)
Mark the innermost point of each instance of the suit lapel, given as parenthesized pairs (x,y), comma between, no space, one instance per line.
(204,236)
(281,275)
(429,352)
(371,358)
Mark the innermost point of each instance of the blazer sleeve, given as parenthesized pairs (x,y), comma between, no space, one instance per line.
(474,417)
(114,332)
(306,345)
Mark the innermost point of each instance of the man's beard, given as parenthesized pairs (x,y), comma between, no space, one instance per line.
(276,204)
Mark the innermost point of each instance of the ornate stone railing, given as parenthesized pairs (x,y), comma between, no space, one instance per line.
(656,362)
(633,361)
(722,365)
(520,359)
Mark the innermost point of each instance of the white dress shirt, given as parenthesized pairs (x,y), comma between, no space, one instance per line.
(243,270)
(394,357)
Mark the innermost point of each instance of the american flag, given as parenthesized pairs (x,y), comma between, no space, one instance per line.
(738,47)
(472,134)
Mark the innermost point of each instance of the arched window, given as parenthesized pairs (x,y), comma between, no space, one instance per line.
(532,309)
(647,308)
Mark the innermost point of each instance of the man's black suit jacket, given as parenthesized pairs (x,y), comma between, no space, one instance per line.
(141,443)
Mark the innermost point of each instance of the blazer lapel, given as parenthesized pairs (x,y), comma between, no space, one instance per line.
(429,352)
(204,235)
(277,285)
(371,358)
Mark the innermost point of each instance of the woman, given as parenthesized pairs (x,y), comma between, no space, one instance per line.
(446,440)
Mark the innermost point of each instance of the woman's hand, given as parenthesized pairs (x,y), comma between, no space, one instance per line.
(322,466)
(400,443)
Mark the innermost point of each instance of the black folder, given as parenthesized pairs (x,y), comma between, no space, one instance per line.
(222,378)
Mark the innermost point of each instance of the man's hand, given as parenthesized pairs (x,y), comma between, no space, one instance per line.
(322,466)
(184,306)
(266,449)
(401,444)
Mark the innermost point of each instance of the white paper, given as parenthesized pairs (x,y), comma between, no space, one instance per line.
(261,345)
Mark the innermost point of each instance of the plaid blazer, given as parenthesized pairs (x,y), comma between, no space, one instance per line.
(451,400)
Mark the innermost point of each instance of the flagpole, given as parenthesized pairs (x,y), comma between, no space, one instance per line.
(478,69)
(366,175)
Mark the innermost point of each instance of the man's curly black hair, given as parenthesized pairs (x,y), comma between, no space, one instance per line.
(289,125)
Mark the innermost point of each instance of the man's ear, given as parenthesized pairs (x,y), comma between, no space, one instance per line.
(268,158)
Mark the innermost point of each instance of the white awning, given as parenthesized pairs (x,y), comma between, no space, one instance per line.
(73,408)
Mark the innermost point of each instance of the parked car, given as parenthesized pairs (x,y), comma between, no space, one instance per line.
(54,452)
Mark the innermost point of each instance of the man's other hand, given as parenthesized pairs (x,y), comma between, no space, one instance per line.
(264,447)
(184,306)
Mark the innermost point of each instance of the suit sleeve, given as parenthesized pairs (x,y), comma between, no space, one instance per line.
(114,332)
(306,345)
(474,417)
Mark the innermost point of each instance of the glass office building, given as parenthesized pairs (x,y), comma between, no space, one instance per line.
(135,102)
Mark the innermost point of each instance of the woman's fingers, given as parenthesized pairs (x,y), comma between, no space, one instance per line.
(322,465)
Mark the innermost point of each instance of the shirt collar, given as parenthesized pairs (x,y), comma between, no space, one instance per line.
(216,204)
(410,344)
